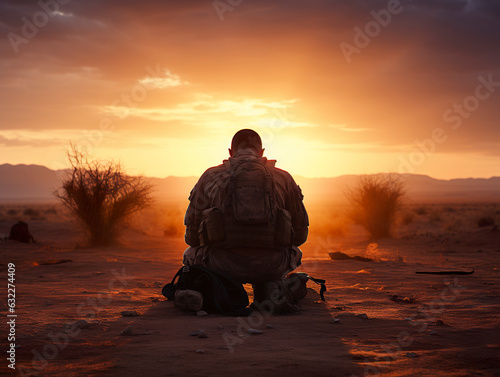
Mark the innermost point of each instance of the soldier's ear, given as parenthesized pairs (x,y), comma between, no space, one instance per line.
(262,152)
(230,152)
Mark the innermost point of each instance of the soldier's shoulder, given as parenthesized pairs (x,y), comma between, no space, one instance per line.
(214,170)
(211,174)
(280,172)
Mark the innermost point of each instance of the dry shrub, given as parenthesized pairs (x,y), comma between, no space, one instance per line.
(486,220)
(101,196)
(375,201)
(31,212)
(421,210)
(12,212)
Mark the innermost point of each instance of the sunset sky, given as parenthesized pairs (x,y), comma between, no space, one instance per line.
(333,87)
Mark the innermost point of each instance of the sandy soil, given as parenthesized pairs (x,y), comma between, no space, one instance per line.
(379,317)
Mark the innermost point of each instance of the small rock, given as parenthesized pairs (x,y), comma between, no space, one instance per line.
(129,313)
(127,332)
(408,319)
(82,324)
(362,316)
(199,334)
(201,313)
(254,331)
(439,323)
(269,326)
(200,351)
(432,332)
(336,320)
(411,354)
(202,334)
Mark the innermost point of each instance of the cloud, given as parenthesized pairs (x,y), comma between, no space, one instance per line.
(210,112)
(82,65)
(169,80)
(33,139)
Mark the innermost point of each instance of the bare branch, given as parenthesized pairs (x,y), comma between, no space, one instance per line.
(101,196)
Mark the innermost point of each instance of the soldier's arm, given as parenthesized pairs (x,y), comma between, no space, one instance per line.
(300,219)
(191,235)
(192,219)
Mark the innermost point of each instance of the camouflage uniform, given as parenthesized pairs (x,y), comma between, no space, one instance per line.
(244,264)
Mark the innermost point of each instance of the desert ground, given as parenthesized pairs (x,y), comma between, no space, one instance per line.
(380,317)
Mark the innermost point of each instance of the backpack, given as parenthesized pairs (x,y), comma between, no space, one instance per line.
(221,294)
(249,215)
(20,232)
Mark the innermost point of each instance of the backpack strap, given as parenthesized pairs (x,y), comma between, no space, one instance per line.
(321,283)
(169,289)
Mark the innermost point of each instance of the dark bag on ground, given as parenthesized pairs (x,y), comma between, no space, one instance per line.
(221,294)
(20,232)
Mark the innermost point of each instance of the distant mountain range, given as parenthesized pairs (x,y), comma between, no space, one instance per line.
(37,183)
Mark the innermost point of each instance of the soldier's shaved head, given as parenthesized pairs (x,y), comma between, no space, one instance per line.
(246,138)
